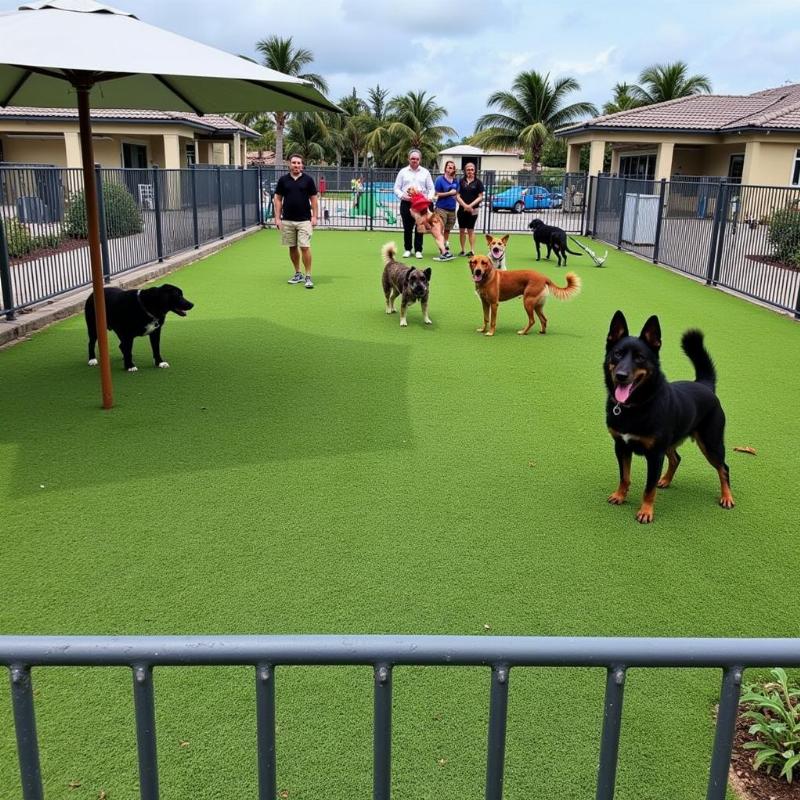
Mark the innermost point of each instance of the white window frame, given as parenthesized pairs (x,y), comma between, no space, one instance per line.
(795,180)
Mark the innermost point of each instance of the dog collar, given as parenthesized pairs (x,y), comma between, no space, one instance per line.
(138,297)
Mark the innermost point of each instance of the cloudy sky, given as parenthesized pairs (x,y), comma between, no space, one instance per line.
(463,50)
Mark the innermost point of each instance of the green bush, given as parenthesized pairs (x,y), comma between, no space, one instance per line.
(18,240)
(775,711)
(784,235)
(122,215)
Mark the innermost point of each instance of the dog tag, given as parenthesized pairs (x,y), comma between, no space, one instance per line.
(616,411)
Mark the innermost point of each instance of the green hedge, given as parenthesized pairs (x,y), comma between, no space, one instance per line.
(18,240)
(122,215)
(784,235)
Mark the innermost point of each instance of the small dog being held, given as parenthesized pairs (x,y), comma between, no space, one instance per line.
(427,221)
(494,285)
(649,416)
(553,238)
(136,312)
(407,283)
(497,250)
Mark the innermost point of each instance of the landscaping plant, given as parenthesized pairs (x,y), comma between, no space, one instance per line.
(775,711)
(122,215)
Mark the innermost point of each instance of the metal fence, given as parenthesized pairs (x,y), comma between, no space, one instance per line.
(145,215)
(364,199)
(740,237)
(383,653)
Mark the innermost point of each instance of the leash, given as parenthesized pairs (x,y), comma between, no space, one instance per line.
(598,262)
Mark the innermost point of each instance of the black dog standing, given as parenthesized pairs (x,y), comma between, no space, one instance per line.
(136,312)
(553,238)
(649,416)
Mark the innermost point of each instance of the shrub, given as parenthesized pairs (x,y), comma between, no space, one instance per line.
(51,240)
(122,216)
(18,240)
(775,711)
(784,235)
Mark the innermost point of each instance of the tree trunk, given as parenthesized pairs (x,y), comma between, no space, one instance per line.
(280,123)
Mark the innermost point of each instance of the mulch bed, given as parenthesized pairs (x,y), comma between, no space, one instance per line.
(750,785)
(64,247)
(773,262)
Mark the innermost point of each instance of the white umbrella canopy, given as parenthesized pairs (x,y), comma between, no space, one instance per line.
(136,65)
(67,53)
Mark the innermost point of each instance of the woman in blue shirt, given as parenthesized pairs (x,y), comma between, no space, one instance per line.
(446,187)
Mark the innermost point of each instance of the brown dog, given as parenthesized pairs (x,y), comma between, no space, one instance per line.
(497,250)
(494,285)
(407,283)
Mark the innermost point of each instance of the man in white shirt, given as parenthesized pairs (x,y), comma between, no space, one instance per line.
(420,179)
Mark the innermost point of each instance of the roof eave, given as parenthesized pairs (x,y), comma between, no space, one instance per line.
(630,129)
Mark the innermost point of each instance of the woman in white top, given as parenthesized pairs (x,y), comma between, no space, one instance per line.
(420,179)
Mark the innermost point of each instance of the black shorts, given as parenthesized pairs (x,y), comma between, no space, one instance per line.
(466,220)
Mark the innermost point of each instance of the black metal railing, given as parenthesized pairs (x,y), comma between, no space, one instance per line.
(501,654)
(740,237)
(146,215)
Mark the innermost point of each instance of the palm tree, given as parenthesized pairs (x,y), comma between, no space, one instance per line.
(529,113)
(413,120)
(661,82)
(305,134)
(624,99)
(281,55)
(377,102)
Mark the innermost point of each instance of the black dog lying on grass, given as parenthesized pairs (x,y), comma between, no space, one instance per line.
(136,312)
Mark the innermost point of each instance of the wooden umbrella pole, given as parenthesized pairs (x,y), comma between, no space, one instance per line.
(93,227)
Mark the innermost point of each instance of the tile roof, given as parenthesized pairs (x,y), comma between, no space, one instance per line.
(211,122)
(769,109)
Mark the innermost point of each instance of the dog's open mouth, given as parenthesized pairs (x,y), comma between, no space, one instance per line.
(622,391)
(497,253)
(477,277)
(179,312)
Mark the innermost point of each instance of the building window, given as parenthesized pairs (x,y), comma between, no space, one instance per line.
(736,168)
(134,156)
(191,155)
(642,167)
(796,170)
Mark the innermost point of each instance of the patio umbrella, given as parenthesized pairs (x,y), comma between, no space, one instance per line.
(68,53)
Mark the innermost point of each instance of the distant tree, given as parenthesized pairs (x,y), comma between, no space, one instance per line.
(529,113)
(661,82)
(377,102)
(624,99)
(305,134)
(413,120)
(281,55)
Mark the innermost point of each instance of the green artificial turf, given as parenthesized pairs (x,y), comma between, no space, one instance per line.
(307,466)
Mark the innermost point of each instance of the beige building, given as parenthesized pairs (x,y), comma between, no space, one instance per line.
(122,138)
(497,160)
(751,138)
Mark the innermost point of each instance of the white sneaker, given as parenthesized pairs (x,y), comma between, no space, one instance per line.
(418,254)
(406,254)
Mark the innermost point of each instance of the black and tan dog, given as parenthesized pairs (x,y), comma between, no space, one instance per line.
(649,416)
(553,238)
(407,283)
(136,312)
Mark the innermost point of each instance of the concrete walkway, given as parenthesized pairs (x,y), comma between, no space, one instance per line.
(40,316)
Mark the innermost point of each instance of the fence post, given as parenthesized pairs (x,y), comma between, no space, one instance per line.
(157,212)
(219,203)
(661,194)
(587,204)
(716,226)
(195,225)
(488,192)
(596,203)
(260,199)
(244,218)
(5,274)
(371,198)
(622,213)
(723,226)
(101,209)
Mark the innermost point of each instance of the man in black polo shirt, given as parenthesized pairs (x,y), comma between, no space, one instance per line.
(296,209)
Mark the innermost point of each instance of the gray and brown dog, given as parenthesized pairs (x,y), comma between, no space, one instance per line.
(407,283)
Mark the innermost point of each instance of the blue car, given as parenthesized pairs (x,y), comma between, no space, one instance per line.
(526,198)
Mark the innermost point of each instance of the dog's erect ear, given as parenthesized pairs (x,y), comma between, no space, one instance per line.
(427,273)
(618,329)
(489,238)
(504,240)
(651,333)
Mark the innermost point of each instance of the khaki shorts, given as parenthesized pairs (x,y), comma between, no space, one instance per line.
(296,234)
(448,218)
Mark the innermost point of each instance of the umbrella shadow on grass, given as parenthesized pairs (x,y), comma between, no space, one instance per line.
(238,392)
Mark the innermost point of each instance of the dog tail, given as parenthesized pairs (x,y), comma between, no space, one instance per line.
(388,252)
(692,345)
(567,292)
(571,252)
